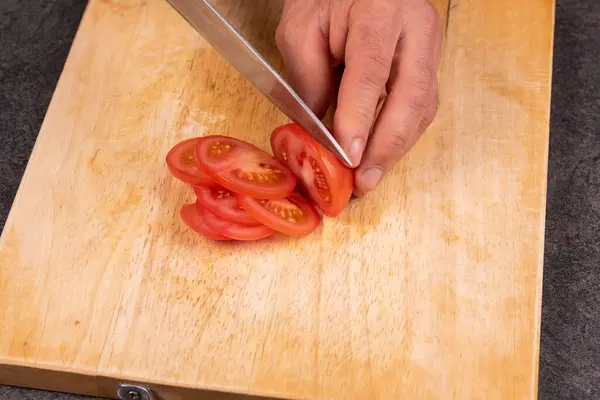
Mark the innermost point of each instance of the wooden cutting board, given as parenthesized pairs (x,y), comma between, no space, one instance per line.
(430,288)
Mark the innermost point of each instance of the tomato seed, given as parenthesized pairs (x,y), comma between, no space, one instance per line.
(219,148)
(223,193)
(187,159)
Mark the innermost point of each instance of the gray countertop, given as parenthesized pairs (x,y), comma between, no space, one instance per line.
(35,36)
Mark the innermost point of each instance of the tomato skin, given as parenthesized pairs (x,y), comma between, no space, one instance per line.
(244,168)
(224,204)
(268,212)
(315,166)
(181,163)
(231,229)
(194,221)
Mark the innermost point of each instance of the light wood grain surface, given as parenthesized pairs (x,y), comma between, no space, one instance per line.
(429,288)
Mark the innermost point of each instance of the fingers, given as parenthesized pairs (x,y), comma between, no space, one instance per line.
(411,104)
(371,42)
(305,52)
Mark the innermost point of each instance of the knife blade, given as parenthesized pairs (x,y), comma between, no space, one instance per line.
(230,43)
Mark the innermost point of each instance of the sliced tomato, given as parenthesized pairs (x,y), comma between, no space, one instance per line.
(294,215)
(192,219)
(326,180)
(231,229)
(182,165)
(244,168)
(223,203)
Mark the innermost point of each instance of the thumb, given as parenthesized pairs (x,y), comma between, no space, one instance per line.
(305,52)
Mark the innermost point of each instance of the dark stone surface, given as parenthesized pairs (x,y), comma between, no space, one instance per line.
(570,343)
(15,393)
(35,37)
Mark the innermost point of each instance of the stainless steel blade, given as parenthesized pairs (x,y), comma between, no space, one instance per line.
(217,30)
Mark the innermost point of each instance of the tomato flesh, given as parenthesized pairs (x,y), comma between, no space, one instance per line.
(224,204)
(294,215)
(233,230)
(244,168)
(182,165)
(243,193)
(194,221)
(326,180)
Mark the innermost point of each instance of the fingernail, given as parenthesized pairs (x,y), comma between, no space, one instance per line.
(356,150)
(371,177)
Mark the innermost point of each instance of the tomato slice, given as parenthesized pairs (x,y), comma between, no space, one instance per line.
(192,219)
(181,163)
(244,168)
(231,229)
(327,181)
(294,215)
(224,204)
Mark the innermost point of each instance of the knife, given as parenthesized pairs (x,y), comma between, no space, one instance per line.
(217,30)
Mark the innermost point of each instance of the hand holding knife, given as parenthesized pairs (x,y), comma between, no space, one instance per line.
(215,28)
(390,48)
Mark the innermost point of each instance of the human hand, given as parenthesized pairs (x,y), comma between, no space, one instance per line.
(390,48)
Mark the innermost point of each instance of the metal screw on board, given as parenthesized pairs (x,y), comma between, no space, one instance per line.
(133,395)
(129,391)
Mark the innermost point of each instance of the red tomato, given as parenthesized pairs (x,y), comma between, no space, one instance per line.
(223,203)
(231,229)
(191,218)
(244,168)
(294,215)
(181,163)
(327,181)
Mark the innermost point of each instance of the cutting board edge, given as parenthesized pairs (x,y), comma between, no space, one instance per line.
(34,377)
(540,269)
(60,380)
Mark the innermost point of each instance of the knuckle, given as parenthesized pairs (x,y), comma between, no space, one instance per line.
(375,70)
(429,117)
(429,23)
(418,101)
(431,17)
(426,72)
(422,86)
(358,123)
(378,65)
(370,36)
(373,58)
(417,105)
(285,35)
(400,142)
